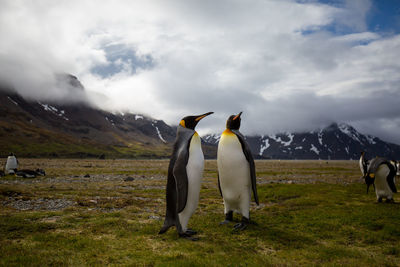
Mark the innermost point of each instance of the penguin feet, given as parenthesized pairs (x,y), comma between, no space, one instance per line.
(242,225)
(188,236)
(379,200)
(190,232)
(228,218)
(389,200)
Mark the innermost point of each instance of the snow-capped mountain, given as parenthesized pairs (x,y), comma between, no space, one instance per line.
(337,141)
(41,128)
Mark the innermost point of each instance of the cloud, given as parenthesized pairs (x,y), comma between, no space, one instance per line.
(289,65)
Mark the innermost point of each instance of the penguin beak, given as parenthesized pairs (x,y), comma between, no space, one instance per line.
(198,118)
(238,115)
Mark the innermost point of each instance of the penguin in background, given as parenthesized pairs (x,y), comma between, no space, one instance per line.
(381,173)
(11,164)
(185,173)
(236,173)
(363,163)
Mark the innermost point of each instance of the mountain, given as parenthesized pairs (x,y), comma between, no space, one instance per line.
(337,141)
(36,128)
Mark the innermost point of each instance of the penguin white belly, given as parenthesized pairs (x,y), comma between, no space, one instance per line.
(382,188)
(194,169)
(234,175)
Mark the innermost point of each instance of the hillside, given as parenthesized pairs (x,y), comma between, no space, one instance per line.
(34,128)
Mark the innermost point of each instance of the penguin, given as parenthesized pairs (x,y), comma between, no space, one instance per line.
(30,173)
(381,173)
(396,165)
(363,163)
(236,173)
(12,164)
(185,174)
(398,168)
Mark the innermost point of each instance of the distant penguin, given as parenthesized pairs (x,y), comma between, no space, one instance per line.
(12,164)
(396,165)
(30,173)
(363,163)
(236,173)
(381,173)
(185,173)
(398,168)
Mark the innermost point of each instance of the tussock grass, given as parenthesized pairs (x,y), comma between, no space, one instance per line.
(322,217)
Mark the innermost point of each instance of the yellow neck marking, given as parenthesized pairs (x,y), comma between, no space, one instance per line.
(228,132)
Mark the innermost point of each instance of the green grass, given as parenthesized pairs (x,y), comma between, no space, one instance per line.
(324,223)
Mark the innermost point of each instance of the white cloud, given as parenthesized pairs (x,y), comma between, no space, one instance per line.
(275,60)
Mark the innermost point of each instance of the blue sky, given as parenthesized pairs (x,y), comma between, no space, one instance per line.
(384,16)
(288,65)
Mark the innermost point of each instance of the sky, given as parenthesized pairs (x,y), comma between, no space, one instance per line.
(288,65)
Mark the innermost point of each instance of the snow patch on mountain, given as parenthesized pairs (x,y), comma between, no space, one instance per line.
(320,137)
(54,110)
(279,139)
(12,100)
(348,130)
(212,138)
(370,139)
(110,121)
(264,145)
(314,149)
(159,133)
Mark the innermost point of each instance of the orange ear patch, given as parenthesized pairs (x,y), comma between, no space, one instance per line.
(182,123)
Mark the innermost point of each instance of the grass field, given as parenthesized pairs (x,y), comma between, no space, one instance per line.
(310,213)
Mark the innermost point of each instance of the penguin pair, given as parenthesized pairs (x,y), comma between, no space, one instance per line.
(380,173)
(236,175)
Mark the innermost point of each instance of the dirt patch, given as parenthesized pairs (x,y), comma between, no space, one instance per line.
(38,204)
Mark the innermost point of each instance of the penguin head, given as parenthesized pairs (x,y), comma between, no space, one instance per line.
(190,122)
(233,122)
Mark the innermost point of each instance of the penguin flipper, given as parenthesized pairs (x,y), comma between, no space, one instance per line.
(249,157)
(181,178)
(219,186)
(390,178)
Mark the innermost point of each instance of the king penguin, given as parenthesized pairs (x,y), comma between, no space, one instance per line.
(12,164)
(236,173)
(185,174)
(381,174)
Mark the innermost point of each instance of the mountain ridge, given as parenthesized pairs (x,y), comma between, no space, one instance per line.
(39,128)
(336,141)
